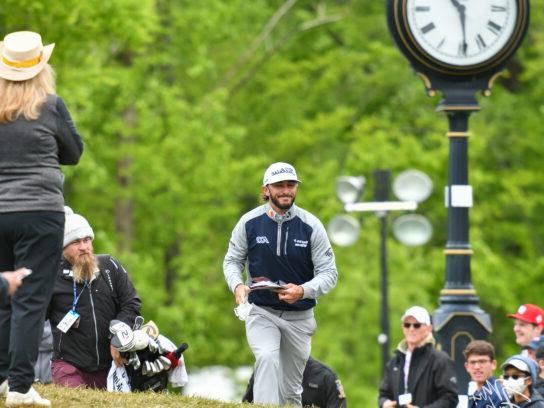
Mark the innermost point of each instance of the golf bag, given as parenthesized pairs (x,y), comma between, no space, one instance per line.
(152,360)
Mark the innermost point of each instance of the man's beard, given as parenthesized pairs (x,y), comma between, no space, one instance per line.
(84,267)
(276,202)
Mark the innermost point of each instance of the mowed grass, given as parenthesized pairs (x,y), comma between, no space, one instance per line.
(62,397)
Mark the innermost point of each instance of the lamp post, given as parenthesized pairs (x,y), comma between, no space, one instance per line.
(410,187)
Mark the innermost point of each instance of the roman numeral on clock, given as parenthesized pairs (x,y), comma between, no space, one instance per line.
(494,27)
(480,41)
(427,28)
(423,8)
(498,8)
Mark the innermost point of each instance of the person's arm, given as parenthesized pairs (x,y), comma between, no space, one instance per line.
(68,139)
(129,303)
(325,273)
(334,392)
(235,261)
(386,398)
(445,383)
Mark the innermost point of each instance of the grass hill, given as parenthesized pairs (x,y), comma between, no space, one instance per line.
(68,397)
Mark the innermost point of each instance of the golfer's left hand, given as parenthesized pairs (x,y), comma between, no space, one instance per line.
(291,294)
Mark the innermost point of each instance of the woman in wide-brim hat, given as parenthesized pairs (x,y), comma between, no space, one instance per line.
(37,135)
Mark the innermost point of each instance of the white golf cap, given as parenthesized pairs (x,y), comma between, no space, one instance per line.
(279,172)
(419,313)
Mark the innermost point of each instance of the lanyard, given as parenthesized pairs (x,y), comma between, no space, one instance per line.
(76,296)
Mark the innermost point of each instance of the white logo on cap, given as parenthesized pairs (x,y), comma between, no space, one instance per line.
(522,309)
(539,319)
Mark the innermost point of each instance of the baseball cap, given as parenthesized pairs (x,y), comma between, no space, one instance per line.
(279,171)
(522,363)
(529,313)
(419,313)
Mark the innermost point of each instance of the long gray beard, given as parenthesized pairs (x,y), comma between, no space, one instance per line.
(84,267)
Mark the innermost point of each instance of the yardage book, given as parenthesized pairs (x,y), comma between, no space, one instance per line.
(266,285)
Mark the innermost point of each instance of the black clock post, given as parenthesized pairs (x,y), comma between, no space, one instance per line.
(458,76)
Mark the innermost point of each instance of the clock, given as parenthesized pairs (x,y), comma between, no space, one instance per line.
(459,37)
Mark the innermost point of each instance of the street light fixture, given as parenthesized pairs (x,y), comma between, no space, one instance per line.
(411,187)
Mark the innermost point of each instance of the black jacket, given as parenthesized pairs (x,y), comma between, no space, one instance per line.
(539,386)
(431,381)
(320,385)
(112,296)
(537,401)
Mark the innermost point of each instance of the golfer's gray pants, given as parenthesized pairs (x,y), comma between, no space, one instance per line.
(281,343)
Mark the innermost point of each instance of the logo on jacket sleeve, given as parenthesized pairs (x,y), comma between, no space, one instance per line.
(262,240)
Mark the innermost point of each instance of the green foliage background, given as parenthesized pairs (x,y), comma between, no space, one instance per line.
(182,105)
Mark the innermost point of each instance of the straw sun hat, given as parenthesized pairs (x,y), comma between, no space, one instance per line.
(23,56)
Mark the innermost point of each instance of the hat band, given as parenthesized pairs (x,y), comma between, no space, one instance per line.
(22,64)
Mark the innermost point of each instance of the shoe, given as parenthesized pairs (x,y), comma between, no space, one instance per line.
(31,397)
(4,388)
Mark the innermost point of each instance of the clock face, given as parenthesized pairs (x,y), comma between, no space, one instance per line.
(462,32)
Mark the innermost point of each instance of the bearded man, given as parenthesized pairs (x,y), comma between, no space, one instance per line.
(90,291)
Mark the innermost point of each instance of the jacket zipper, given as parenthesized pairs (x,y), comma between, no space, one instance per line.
(286,236)
(95,326)
(278,246)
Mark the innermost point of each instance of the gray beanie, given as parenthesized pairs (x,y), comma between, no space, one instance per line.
(75,227)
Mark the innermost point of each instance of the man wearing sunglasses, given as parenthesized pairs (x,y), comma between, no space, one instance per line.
(480,363)
(418,375)
(518,378)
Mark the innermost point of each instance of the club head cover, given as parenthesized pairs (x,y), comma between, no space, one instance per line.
(123,336)
(141,340)
(138,322)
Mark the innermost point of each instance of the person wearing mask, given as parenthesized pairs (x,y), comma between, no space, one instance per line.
(519,375)
(286,247)
(418,375)
(90,291)
(37,135)
(480,363)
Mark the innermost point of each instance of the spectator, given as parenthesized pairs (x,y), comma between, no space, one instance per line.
(90,291)
(519,376)
(321,388)
(37,135)
(480,363)
(42,368)
(418,375)
(280,242)
(539,357)
(528,325)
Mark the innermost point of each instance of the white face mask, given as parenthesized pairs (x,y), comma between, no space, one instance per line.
(514,386)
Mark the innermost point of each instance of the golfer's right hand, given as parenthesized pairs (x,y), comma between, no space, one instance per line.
(389,404)
(15,279)
(240,293)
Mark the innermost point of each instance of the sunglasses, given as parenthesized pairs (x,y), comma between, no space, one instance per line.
(414,325)
(514,376)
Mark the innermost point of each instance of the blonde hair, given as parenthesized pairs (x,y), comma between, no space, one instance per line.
(25,97)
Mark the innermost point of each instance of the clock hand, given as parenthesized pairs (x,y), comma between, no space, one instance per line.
(461,10)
